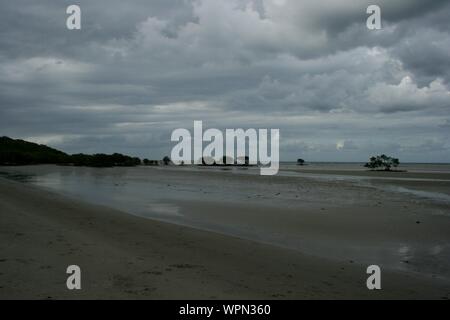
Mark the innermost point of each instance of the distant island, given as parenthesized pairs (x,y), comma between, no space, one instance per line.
(20,152)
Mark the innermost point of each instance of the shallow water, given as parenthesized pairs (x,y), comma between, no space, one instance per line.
(159,193)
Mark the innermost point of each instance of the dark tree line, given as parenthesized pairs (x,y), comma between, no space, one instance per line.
(104,160)
(20,152)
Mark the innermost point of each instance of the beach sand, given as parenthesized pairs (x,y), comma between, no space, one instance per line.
(122,256)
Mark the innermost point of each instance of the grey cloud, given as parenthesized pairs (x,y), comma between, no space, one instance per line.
(139,69)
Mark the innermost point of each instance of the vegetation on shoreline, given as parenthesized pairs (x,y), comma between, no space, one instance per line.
(382,162)
(20,152)
(104,160)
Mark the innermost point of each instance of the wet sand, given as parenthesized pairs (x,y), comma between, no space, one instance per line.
(379,174)
(129,257)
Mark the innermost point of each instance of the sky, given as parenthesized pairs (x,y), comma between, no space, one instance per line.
(139,69)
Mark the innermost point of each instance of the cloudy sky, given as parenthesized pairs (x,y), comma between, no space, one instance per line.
(139,69)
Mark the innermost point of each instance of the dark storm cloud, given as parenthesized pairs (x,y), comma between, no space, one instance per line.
(38,27)
(139,69)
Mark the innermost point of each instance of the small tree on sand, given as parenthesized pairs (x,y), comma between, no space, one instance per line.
(166,160)
(382,161)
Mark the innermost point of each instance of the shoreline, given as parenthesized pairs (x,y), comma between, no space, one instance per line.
(127,257)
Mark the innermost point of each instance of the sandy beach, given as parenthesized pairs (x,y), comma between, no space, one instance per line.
(124,256)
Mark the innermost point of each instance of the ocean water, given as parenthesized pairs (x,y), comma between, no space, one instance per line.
(133,188)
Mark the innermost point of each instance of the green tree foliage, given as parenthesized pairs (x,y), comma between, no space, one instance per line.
(150,162)
(166,160)
(19,152)
(104,160)
(383,162)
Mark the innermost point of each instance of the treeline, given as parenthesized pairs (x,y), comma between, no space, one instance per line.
(20,152)
(104,160)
